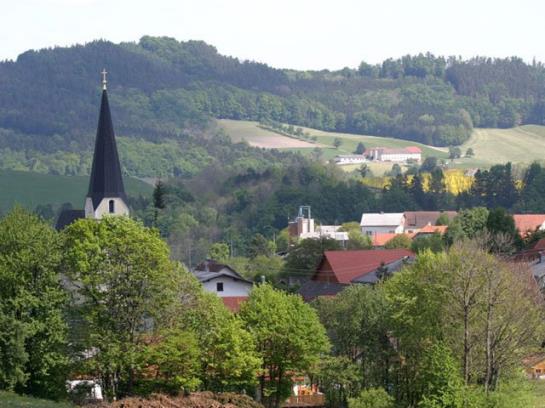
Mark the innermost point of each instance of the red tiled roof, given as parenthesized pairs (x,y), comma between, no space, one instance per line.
(413,149)
(381,238)
(233,302)
(528,222)
(432,229)
(348,265)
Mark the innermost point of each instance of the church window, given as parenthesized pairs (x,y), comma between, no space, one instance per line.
(111,205)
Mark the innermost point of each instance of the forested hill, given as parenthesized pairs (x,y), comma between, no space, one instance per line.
(159,86)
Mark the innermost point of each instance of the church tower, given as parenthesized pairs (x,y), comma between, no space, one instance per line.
(106,194)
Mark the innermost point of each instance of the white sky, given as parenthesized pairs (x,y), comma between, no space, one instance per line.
(302,34)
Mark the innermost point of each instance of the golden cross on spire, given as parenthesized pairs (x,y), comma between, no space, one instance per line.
(104,82)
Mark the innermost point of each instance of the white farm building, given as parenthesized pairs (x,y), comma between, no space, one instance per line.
(395,155)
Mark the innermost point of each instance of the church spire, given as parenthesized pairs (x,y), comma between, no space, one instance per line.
(106,180)
(104,82)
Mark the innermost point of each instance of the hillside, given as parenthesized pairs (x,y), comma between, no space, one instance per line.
(523,144)
(31,189)
(163,94)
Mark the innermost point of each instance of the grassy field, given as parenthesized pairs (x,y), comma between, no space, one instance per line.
(30,189)
(10,400)
(522,144)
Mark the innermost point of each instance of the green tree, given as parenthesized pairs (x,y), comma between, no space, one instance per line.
(470,153)
(261,246)
(337,142)
(399,241)
(125,286)
(360,148)
(289,338)
(339,379)
(305,256)
(219,252)
(372,398)
(229,359)
(33,331)
(159,195)
(173,356)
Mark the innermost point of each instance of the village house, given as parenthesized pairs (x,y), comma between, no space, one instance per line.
(340,269)
(400,155)
(225,282)
(414,221)
(528,223)
(380,223)
(535,366)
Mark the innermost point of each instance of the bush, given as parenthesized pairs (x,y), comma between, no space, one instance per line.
(372,398)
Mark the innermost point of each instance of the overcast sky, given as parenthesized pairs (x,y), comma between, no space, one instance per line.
(302,34)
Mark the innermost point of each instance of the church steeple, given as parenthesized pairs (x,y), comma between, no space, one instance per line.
(106,191)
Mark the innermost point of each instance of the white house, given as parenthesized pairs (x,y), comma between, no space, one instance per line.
(380,223)
(350,159)
(224,281)
(395,155)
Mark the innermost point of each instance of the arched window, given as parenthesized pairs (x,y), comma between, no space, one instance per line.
(111,206)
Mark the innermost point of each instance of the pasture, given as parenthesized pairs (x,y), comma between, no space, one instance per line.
(30,189)
(523,144)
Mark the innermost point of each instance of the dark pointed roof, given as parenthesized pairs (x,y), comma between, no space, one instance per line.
(106,179)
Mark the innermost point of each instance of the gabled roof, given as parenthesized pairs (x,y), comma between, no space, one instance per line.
(381,219)
(419,219)
(390,268)
(106,179)
(528,222)
(539,245)
(433,229)
(349,265)
(382,238)
(210,269)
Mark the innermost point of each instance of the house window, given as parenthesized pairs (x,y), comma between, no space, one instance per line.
(219,286)
(369,232)
(538,370)
(111,206)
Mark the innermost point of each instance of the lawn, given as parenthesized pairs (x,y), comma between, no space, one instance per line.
(522,144)
(30,189)
(11,400)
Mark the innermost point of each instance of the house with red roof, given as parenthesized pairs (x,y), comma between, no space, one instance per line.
(528,223)
(225,282)
(339,269)
(395,155)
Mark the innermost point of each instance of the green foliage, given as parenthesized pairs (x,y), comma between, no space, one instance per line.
(143,292)
(174,357)
(399,241)
(229,360)
(288,335)
(433,242)
(33,333)
(11,400)
(219,252)
(372,398)
(360,148)
(442,385)
(339,378)
(305,256)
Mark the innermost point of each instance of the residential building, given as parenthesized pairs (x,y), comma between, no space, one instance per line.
(528,223)
(416,220)
(106,195)
(379,223)
(395,155)
(339,269)
(350,159)
(379,240)
(430,230)
(535,366)
(225,282)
